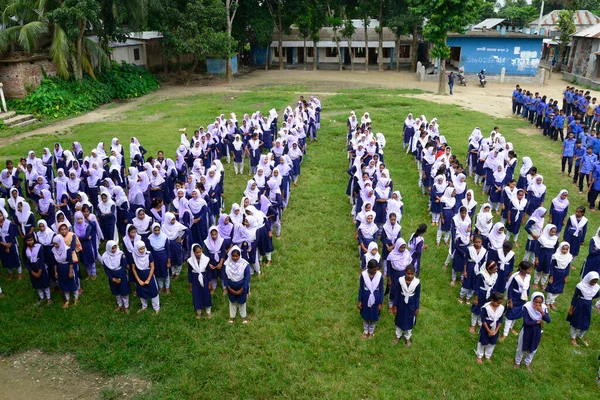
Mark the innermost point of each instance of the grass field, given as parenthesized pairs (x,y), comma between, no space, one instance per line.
(303,340)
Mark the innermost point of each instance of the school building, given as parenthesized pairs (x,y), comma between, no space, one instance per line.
(517,52)
(327,51)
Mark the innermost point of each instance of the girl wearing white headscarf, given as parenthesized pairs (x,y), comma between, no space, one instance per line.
(559,272)
(438,189)
(371,254)
(107,215)
(534,227)
(559,210)
(476,257)
(496,187)
(161,252)
(447,201)
(408,130)
(143,271)
(396,263)
(517,292)
(200,281)
(176,233)
(115,267)
(515,214)
(237,275)
(484,287)
(536,193)
(65,271)
(367,232)
(406,304)
(534,315)
(216,254)
(370,294)
(575,232)
(543,257)
(523,172)
(580,312)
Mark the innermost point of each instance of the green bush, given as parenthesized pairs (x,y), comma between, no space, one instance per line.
(62,98)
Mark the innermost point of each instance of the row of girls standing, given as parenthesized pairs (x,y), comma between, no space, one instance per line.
(481,251)
(386,260)
(161,208)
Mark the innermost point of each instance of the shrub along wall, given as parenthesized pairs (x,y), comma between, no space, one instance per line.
(56,97)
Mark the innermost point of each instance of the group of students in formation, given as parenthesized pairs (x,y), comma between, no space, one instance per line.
(151,215)
(499,289)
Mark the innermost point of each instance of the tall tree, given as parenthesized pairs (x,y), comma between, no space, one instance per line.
(256,27)
(303,24)
(283,13)
(364,11)
(404,18)
(335,20)
(566,26)
(518,12)
(444,17)
(347,32)
(231,7)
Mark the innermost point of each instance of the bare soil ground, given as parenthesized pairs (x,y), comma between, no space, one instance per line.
(36,375)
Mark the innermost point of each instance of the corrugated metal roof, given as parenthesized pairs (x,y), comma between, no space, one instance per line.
(145,35)
(589,32)
(489,23)
(126,43)
(582,18)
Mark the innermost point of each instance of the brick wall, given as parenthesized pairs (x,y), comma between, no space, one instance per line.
(18,77)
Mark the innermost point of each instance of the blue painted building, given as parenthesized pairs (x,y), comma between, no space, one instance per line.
(219,65)
(519,53)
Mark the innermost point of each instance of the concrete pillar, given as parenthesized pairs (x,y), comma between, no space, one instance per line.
(2,99)
(542,76)
(502,74)
(422,73)
(419,66)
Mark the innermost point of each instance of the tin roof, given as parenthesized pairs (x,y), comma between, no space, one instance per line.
(589,32)
(489,23)
(327,39)
(582,19)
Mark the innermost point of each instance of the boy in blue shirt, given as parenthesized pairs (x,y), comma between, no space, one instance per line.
(587,166)
(559,125)
(595,139)
(526,104)
(594,188)
(515,99)
(520,97)
(577,155)
(596,114)
(568,150)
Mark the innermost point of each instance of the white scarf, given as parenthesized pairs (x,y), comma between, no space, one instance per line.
(488,281)
(141,261)
(495,315)
(562,260)
(477,258)
(519,205)
(523,284)
(533,313)
(110,259)
(545,239)
(408,291)
(577,225)
(235,270)
(497,239)
(371,285)
(504,259)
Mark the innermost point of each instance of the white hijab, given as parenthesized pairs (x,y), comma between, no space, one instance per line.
(198,266)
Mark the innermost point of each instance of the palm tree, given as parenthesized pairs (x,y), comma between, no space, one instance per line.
(26,22)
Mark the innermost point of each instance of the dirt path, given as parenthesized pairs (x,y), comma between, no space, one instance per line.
(36,375)
(493,100)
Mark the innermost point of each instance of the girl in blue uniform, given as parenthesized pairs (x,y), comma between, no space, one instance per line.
(200,281)
(543,257)
(9,255)
(534,227)
(416,245)
(237,281)
(496,186)
(460,249)
(397,262)
(437,192)
(447,202)
(176,234)
(483,289)
(87,255)
(66,274)
(536,194)
(44,236)
(559,273)
(389,234)
(107,215)
(38,272)
(535,314)
(216,251)
(143,272)
(514,218)
(559,210)
(367,233)
(370,297)
(491,317)
(508,193)
(476,255)
(580,312)
(407,302)
(161,253)
(115,267)
(575,232)
(517,292)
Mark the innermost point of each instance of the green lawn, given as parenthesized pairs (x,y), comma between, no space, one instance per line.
(303,340)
